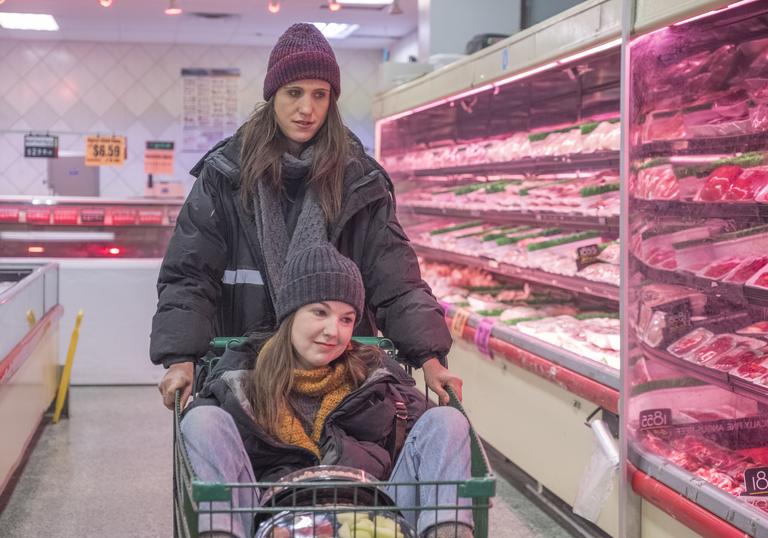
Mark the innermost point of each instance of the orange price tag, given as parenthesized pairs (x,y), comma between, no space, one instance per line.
(459,322)
(105,150)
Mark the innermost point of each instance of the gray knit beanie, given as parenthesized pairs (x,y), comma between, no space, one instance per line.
(319,273)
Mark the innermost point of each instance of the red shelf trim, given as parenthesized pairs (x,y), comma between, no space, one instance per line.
(682,509)
(22,351)
(566,379)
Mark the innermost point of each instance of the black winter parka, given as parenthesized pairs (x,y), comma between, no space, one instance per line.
(358,433)
(212,282)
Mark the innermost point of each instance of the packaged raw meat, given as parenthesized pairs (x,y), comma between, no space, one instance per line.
(752,371)
(719,268)
(741,354)
(759,279)
(747,269)
(689,342)
(603,333)
(718,183)
(748,184)
(713,348)
(733,105)
(663,126)
(759,328)
(657,183)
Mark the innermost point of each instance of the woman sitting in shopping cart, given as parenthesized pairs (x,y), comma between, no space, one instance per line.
(308,395)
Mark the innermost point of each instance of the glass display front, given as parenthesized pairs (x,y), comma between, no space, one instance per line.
(68,227)
(511,198)
(697,262)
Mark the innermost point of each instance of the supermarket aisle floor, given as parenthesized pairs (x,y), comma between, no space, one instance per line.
(107,472)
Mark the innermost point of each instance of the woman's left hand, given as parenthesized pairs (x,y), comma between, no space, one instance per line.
(438,376)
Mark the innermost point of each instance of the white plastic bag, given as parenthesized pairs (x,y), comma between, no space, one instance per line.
(597,481)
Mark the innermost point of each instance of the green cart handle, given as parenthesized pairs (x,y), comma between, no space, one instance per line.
(223,342)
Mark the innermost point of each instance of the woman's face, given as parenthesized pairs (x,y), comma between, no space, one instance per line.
(321,332)
(301,108)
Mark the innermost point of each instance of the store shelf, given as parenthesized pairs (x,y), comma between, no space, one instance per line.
(600,160)
(575,284)
(751,211)
(591,369)
(709,375)
(609,225)
(714,145)
(728,508)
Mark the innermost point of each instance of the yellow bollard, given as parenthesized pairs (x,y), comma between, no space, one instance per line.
(61,394)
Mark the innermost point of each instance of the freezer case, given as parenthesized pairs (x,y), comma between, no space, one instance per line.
(506,169)
(109,253)
(696,272)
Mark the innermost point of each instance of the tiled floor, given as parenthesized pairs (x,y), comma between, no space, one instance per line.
(107,472)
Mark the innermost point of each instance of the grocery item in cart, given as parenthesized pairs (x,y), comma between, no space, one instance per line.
(690,341)
(333,524)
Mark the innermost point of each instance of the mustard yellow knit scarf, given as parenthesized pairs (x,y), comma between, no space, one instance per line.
(332,382)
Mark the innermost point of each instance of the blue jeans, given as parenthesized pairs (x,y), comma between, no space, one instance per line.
(437,449)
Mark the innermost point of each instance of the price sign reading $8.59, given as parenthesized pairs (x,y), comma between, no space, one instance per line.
(655,418)
(105,150)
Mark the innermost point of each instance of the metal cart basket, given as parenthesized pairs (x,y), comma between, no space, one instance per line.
(353,505)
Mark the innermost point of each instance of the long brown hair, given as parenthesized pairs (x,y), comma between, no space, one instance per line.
(263,144)
(272,378)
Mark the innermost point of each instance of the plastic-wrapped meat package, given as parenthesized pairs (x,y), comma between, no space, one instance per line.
(719,268)
(713,348)
(756,53)
(757,328)
(664,258)
(716,72)
(719,183)
(571,142)
(758,116)
(663,127)
(603,333)
(739,355)
(748,184)
(602,272)
(689,342)
(655,295)
(657,183)
(747,269)
(754,371)
(610,136)
(759,281)
(734,105)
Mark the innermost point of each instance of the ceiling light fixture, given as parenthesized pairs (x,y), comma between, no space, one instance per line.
(103,3)
(173,8)
(335,30)
(379,3)
(394,8)
(28,21)
(334,6)
(273,7)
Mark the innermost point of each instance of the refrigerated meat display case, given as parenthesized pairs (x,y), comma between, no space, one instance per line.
(30,314)
(506,170)
(695,314)
(109,254)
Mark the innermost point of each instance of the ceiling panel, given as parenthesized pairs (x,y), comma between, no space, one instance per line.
(252,24)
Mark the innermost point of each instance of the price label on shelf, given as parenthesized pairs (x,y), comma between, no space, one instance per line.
(756,481)
(483,336)
(586,255)
(459,322)
(41,145)
(655,418)
(105,150)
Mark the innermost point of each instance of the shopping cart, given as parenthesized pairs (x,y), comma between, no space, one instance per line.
(361,507)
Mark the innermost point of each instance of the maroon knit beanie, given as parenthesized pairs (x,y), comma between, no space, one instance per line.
(302,52)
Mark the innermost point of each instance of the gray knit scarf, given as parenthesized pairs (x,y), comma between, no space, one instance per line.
(276,246)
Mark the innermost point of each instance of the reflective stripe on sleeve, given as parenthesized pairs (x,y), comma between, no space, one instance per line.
(243,276)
